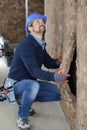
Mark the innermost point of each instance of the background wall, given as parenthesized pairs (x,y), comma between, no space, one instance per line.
(12,18)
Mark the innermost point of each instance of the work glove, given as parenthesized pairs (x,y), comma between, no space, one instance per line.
(59,76)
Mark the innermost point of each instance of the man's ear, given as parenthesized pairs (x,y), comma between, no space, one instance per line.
(29,28)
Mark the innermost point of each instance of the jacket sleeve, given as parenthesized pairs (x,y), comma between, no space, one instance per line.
(30,62)
(49,62)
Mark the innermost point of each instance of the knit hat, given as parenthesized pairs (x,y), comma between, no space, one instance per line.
(32,17)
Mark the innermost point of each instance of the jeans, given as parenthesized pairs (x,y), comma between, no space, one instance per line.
(35,91)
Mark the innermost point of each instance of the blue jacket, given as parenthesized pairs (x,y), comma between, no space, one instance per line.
(28,60)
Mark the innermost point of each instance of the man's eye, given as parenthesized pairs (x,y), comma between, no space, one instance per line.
(37,21)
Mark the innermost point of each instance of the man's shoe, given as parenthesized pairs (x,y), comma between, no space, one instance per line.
(31,112)
(23,124)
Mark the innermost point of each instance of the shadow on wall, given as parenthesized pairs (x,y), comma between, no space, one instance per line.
(72,72)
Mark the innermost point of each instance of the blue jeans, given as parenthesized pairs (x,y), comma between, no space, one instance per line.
(32,91)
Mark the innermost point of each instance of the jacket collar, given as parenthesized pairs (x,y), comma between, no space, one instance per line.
(35,41)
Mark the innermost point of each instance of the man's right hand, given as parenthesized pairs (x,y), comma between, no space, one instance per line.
(59,76)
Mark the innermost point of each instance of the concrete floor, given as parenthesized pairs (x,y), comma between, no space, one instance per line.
(48,116)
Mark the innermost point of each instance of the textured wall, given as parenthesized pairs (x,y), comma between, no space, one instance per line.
(60,35)
(82,65)
(54,35)
(12,17)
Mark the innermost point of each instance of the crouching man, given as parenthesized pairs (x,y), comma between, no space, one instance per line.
(29,80)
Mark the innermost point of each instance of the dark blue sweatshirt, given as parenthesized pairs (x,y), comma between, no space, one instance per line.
(28,60)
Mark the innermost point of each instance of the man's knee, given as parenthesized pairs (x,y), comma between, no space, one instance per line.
(33,88)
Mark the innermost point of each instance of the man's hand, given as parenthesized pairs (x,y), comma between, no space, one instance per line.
(60,76)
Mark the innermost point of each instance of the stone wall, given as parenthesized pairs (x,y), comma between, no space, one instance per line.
(82,65)
(12,18)
(73,30)
(60,37)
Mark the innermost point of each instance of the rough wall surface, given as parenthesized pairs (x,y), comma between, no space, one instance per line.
(54,31)
(61,36)
(69,44)
(82,65)
(12,17)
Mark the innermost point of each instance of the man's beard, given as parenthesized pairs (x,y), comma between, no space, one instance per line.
(42,29)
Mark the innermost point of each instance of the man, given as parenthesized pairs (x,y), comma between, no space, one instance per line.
(26,72)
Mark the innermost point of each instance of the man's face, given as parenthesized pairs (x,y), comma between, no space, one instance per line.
(38,26)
